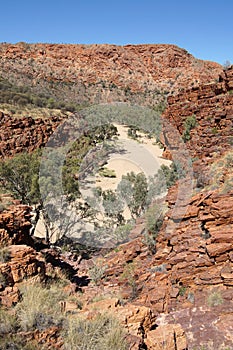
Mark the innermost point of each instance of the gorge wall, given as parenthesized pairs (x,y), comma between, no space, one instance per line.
(186,285)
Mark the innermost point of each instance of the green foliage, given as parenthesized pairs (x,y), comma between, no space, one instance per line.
(150,241)
(20,174)
(129,275)
(154,218)
(133,188)
(189,124)
(112,205)
(82,158)
(96,273)
(122,232)
(3,281)
(160,107)
(19,342)
(221,176)
(105,172)
(101,333)
(214,131)
(182,291)
(132,132)
(8,322)
(165,178)
(23,96)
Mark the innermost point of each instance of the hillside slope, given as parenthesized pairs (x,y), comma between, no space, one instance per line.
(104,73)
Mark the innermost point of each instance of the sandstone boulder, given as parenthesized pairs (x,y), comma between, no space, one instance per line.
(167,337)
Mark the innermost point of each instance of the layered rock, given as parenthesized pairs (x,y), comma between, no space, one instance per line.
(212,106)
(189,277)
(166,337)
(104,73)
(15,226)
(187,284)
(23,263)
(25,134)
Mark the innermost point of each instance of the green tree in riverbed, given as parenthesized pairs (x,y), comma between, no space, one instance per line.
(33,178)
(133,188)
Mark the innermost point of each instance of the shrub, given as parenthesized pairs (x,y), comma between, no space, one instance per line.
(121,233)
(96,273)
(8,323)
(17,342)
(182,291)
(221,176)
(149,241)
(105,172)
(154,218)
(167,177)
(188,125)
(132,132)
(129,275)
(133,188)
(101,333)
(214,131)
(215,298)
(3,281)
(4,255)
(40,307)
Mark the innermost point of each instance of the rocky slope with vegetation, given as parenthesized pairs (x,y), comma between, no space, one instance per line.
(66,76)
(170,289)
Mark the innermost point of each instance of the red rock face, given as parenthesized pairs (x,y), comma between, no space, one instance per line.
(212,105)
(15,226)
(189,279)
(24,134)
(99,70)
(187,284)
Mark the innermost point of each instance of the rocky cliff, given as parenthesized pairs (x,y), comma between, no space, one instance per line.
(24,134)
(188,281)
(211,104)
(179,296)
(104,73)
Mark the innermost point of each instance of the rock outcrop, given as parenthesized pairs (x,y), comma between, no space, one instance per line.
(212,106)
(187,283)
(188,280)
(180,296)
(166,337)
(15,226)
(23,263)
(104,73)
(24,134)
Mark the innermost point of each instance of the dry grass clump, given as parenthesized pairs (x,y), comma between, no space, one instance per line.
(4,254)
(19,342)
(8,322)
(40,307)
(101,333)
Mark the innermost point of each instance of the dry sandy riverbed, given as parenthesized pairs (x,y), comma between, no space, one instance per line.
(142,155)
(139,156)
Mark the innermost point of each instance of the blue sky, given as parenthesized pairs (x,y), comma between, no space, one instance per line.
(204,28)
